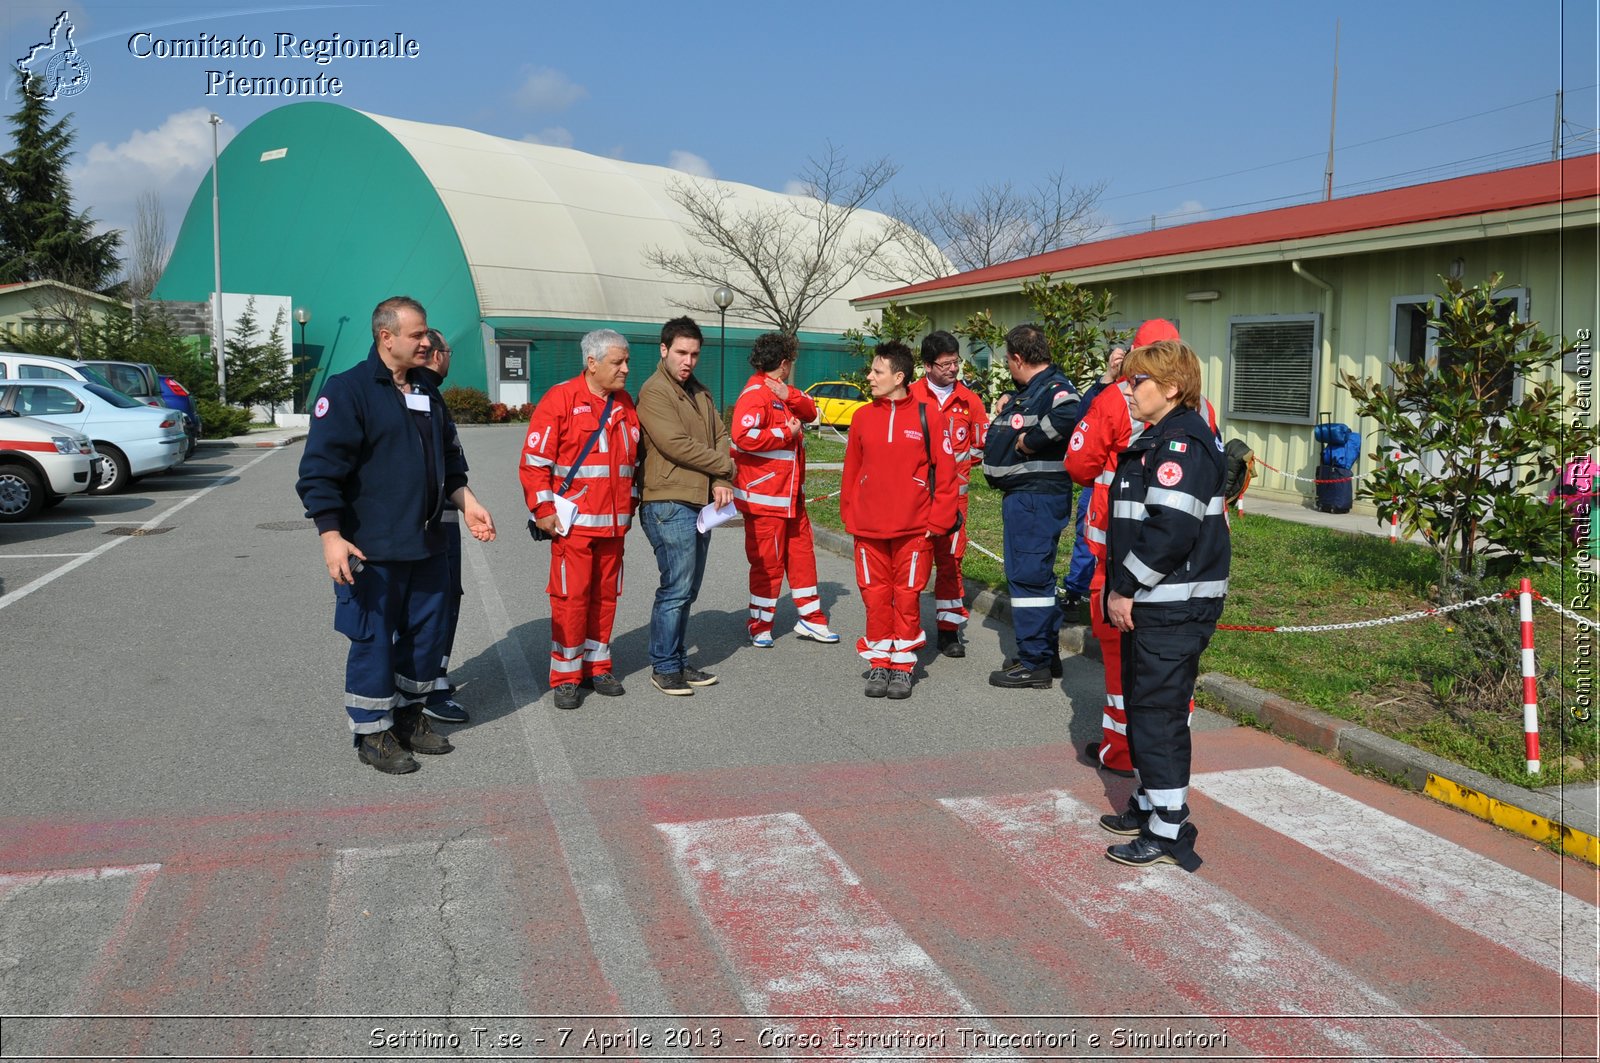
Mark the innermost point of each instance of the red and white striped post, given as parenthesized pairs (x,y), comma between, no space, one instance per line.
(1530,682)
(1394,521)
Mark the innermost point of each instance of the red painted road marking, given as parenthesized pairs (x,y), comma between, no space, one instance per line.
(1538,922)
(806,939)
(1210,947)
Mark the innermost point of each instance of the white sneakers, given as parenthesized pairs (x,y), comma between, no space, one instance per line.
(815,632)
(762,641)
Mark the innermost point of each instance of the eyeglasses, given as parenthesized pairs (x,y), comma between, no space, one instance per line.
(1138,378)
(948,366)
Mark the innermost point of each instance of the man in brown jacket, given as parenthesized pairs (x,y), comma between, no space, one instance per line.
(686,465)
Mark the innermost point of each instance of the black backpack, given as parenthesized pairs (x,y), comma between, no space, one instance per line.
(1238,469)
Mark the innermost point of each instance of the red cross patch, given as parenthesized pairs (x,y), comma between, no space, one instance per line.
(1169,473)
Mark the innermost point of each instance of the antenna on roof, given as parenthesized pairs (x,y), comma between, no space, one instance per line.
(1555,138)
(1327,186)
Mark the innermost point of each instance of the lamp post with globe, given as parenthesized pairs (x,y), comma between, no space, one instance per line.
(723,297)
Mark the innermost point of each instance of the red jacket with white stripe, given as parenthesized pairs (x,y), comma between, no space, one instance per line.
(604,488)
(885,486)
(1102,435)
(968,423)
(769,461)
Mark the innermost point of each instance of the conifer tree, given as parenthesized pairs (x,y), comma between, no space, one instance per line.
(41,236)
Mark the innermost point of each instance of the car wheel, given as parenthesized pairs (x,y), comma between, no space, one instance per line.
(21,493)
(114,472)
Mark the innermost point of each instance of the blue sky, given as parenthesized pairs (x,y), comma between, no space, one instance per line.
(1185,110)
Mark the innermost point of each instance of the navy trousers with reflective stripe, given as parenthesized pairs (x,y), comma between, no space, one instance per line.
(1159,668)
(1033,525)
(396,617)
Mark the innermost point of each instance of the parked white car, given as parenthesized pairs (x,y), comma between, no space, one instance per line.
(132,439)
(17,366)
(40,464)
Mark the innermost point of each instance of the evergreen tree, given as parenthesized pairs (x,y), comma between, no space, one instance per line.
(41,236)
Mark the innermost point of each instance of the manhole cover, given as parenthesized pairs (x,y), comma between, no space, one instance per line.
(286,525)
(137,531)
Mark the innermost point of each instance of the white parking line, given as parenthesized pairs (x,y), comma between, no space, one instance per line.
(22,557)
(154,522)
(81,522)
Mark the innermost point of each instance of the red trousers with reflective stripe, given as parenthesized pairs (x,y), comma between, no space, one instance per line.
(949,589)
(891,574)
(775,546)
(585,583)
(1114,721)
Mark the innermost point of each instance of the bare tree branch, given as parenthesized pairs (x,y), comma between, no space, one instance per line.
(149,251)
(784,259)
(998,224)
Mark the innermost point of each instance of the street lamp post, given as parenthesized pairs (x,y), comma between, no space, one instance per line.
(216,260)
(723,297)
(301,317)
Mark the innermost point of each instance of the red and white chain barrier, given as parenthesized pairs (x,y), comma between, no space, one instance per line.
(1307,479)
(1421,614)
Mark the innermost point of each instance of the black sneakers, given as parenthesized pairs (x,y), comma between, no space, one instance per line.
(877,683)
(1019,676)
(446,711)
(899,684)
(412,730)
(1128,822)
(1147,849)
(696,678)
(1055,666)
(567,696)
(383,751)
(672,683)
(950,644)
(607,685)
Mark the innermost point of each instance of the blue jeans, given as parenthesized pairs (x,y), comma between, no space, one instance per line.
(1081,570)
(1033,526)
(681,557)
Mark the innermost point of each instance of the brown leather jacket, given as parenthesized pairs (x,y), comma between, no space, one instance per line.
(685,441)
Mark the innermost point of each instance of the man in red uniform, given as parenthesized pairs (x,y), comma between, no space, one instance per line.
(898,497)
(769,474)
(965,417)
(583,444)
(1106,430)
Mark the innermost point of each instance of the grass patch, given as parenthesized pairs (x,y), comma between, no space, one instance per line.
(1402,680)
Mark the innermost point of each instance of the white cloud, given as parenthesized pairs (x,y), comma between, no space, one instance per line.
(544,89)
(168,160)
(690,163)
(556,136)
(796,188)
(1189,210)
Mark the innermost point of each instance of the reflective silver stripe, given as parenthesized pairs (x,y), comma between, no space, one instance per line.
(761,614)
(1049,429)
(563,578)
(356,701)
(412,686)
(802,592)
(911,578)
(948,603)
(768,602)
(540,462)
(1115,700)
(961,490)
(764,500)
(813,606)
(1093,534)
(1173,799)
(761,479)
(596,651)
(544,496)
(907,644)
(557,665)
(1028,421)
(602,520)
(1182,592)
(1108,477)
(899,657)
(1176,500)
(775,455)
(1032,603)
(951,618)
(593,472)
(866,574)
(1064,395)
(1128,511)
(1142,572)
(1112,725)
(1003,471)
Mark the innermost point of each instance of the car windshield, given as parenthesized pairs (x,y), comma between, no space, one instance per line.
(113,396)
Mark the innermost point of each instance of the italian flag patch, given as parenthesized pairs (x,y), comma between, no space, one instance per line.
(1181,448)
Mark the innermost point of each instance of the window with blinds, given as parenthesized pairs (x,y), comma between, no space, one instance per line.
(1272,367)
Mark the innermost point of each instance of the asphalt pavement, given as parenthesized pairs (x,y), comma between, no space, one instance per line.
(189,843)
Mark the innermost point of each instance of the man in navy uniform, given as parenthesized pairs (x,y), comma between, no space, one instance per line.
(1023,457)
(381,459)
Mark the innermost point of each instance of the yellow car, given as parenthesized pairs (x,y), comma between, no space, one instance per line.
(837,401)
